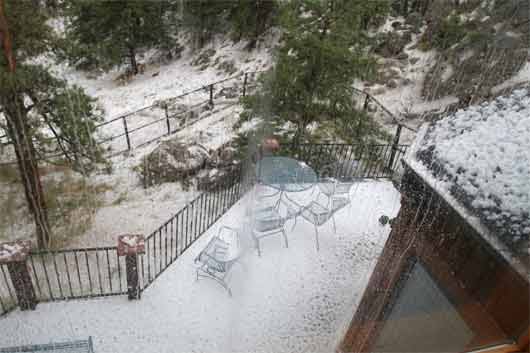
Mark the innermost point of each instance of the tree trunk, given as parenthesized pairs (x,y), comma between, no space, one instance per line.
(19,132)
(132,59)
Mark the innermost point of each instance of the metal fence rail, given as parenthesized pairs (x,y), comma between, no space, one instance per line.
(8,298)
(77,273)
(150,123)
(360,161)
(168,242)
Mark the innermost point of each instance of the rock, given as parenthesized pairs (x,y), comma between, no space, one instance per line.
(229,92)
(374,91)
(221,166)
(414,61)
(222,157)
(396,24)
(392,84)
(406,81)
(172,161)
(228,66)
(402,56)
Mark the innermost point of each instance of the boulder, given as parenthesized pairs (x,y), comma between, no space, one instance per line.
(172,161)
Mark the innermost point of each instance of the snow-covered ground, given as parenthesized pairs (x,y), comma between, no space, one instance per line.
(291,299)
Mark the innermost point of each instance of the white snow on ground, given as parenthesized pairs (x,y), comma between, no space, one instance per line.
(171,79)
(485,150)
(288,300)
(522,76)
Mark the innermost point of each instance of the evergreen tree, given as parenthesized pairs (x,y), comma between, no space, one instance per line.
(34,103)
(321,56)
(250,19)
(204,18)
(107,33)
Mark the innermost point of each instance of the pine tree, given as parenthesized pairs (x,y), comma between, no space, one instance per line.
(321,56)
(250,19)
(204,18)
(34,104)
(107,33)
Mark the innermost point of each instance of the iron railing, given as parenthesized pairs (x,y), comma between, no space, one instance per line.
(8,298)
(77,273)
(100,272)
(153,122)
(175,236)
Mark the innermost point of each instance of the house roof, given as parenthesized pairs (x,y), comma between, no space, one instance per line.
(479,158)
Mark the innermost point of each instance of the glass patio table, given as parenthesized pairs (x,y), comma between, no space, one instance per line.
(285,174)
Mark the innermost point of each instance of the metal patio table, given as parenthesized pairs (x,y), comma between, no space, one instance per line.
(285,175)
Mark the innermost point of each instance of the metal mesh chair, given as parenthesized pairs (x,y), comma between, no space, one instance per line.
(318,214)
(219,255)
(271,220)
(335,189)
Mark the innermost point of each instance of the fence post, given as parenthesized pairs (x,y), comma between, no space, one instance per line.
(14,255)
(211,94)
(366,101)
(395,145)
(131,246)
(126,133)
(167,120)
(245,84)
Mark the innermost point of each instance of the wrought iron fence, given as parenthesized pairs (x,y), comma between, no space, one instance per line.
(174,237)
(8,298)
(165,117)
(77,273)
(352,161)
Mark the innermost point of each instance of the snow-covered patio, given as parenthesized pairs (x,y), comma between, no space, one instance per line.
(288,300)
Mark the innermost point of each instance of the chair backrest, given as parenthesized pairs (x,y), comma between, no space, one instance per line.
(230,237)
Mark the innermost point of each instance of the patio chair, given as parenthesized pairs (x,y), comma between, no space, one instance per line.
(271,220)
(219,255)
(318,213)
(335,189)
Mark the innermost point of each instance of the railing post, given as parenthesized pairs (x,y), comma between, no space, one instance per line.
(366,101)
(245,84)
(126,133)
(211,94)
(167,120)
(131,246)
(14,255)
(395,146)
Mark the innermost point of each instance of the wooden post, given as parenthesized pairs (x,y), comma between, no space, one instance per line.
(126,133)
(131,246)
(14,255)
(245,84)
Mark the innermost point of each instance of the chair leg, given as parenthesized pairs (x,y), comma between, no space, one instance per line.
(294,224)
(316,238)
(285,238)
(256,241)
(334,224)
